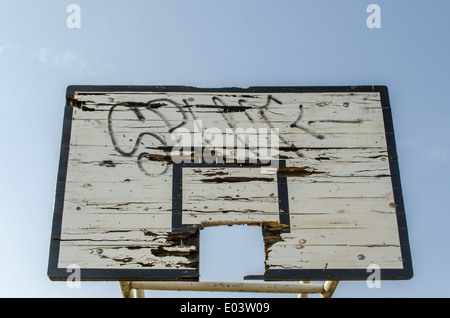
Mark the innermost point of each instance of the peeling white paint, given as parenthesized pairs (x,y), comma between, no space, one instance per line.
(341,206)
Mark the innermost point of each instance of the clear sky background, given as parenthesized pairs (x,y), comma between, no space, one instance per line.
(217,44)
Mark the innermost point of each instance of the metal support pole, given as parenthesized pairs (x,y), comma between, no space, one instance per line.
(135,289)
(125,288)
(303,295)
(329,288)
(140,293)
(243,287)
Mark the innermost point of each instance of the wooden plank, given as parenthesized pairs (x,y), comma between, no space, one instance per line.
(120,257)
(334,257)
(354,135)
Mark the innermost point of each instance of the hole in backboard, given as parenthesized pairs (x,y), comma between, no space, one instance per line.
(228,253)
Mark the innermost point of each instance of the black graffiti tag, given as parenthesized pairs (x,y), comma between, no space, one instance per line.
(186,113)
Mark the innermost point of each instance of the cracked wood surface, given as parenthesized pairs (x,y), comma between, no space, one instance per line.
(118,210)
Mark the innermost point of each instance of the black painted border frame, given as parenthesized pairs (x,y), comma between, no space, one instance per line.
(177,193)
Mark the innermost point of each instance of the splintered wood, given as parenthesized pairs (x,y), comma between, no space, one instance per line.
(146,171)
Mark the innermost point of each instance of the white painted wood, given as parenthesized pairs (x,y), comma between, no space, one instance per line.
(118,216)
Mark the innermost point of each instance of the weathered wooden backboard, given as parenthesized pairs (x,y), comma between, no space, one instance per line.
(144,168)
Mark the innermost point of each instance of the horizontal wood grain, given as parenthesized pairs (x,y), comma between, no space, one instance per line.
(119,187)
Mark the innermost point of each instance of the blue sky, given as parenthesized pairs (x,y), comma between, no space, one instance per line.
(218,44)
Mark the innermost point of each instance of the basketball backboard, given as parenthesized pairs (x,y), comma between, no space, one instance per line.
(144,168)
